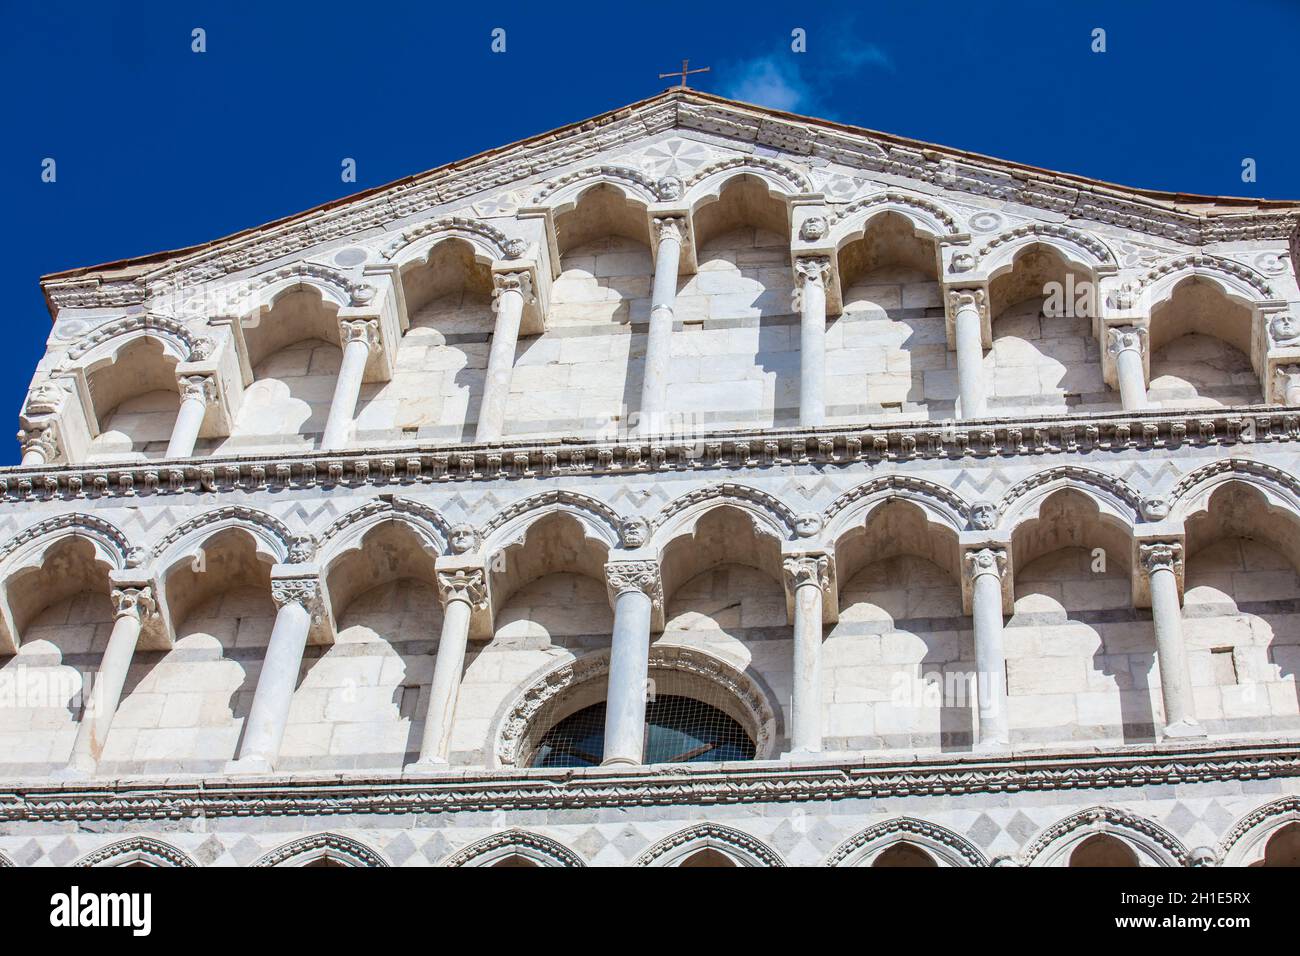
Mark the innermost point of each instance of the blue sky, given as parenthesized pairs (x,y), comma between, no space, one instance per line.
(158,147)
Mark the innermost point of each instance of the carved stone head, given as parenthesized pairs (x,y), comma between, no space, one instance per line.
(669,188)
(514,248)
(1155,508)
(634,531)
(1283,328)
(813,229)
(983,515)
(302,549)
(464,538)
(807,524)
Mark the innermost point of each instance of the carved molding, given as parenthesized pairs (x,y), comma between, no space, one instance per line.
(330,845)
(890,832)
(1103,819)
(529,845)
(752,850)
(123,852)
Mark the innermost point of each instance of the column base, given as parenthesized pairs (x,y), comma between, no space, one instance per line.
(426,765)
(1183,729)
(249,765)
(620,762)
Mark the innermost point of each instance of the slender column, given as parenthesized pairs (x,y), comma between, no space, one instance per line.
(264,731)
(968,308)
(40,444)
(511,290)
(462,591)
(359,336)
(1161,560)
(807,574)
(658,347)
(811,273)
(1126,345)
(130,606)
(986,568)
(635,586)
(196,392)
(1287,388)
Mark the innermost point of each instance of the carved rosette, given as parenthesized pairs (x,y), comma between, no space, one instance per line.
(138,603)
(643,576)
(1121,338)
(200,387)
(503,282)
(670,227)
(463,584)
(1161,556)
(806,569)
(985,561)
(359,330)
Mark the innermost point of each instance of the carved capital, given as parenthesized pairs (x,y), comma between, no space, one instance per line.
(670,227)
(1121,338)
(640,576)
(959,299)
(304,591)
(985,561)
(359,330)
(503,282)
(1161,556)
(42,437)
(134,602)
(812,269)
(463,584)
(201,387)
(807,569)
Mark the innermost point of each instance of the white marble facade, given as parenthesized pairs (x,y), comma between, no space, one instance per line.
(968,493)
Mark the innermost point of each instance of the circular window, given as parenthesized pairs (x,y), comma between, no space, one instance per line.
(678,730)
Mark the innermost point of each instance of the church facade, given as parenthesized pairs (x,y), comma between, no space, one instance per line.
(695,485)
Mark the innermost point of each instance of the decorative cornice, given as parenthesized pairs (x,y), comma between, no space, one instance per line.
(732,450)
(676,785)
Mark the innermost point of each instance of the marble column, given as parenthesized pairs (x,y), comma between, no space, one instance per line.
(1126,345)
(807,575)
(986,568)
(811,273)
(130,607)
(968,308)
(462,590)
(1161,561)
(511,290)
(360,337)
(1288,386)
(658,348)
(39,444)
(635,586)
(196,392)
(269,715)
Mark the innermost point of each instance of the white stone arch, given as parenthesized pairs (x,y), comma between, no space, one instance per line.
(1191,495)
(771,516)
(537,849)
(943,845)
(1151,843)
(417,243)
(925,216)
(706,184)
(104,344)
(563,192)
(1240,283)
(1079,250)
(332,846)
(346,532)
(518,725)
(739,847)
(26,546)
(510,525)
(1245,843)
(184,542)
(137,850)
(854,506)
(1116,500)
(334,286)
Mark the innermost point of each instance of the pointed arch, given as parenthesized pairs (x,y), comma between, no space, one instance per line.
(1280,488)
(1148,839)
(564,190)
(331,846)
(108,540)
(948,847)
(271,534)
(738,847)
(137,850)
(346,531)
(852,507)
(771,516)
(925,215)
(510,523)
(1114,497)
(417,242)
(533,847)
(1245,842)
(1079,249)
(708,181)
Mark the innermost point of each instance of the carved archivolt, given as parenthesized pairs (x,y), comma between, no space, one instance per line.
(740,847)
(1122,496)
(795,180)
(270,530)
(773,515)
(1194,484)
(1245,842)
(892,197)
(112,541)
(641,183)
(595,512)
(531,846)
(176,338)
(1058,840)
(136,850)
(1199,264)
(330,282)
(492,240)
(517,730)
(949,505)
(940,841)
(428,522)
(1097,250)
(307,849)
